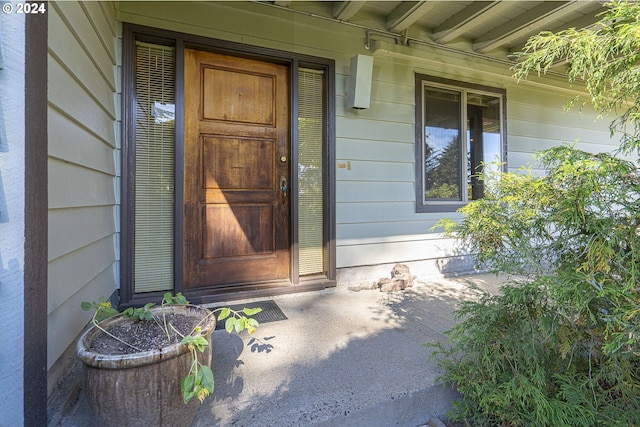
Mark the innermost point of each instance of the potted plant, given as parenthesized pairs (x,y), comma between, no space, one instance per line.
(144,366)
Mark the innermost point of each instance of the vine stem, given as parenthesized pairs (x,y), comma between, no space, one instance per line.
(95,322)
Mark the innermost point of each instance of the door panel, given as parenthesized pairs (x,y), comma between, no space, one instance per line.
(227,160)
(250,97)
(236,218)
(248,231)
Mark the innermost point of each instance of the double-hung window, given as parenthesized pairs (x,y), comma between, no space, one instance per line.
(460,131)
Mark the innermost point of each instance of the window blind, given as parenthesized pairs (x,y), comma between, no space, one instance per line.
(310,176)
(154,168)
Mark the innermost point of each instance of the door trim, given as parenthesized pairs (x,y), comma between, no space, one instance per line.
(132,33)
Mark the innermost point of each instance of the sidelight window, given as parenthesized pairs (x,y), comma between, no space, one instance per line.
(154,167)
(310,171)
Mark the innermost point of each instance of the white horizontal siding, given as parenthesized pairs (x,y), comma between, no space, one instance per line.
(349,234)
(385,112)
(82,164)
(375,171)
(393,251)
(388,212)
(73,186)
(365,191)
(69,96)
(373,129)
(105,29)
(88,73)
(365,149)
(80,24)
(246,23)
(85,263)
(73,228)
(541,97)
(94,153)
(558,133)
(64,320)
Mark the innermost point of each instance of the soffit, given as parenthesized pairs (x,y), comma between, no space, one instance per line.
(492,28)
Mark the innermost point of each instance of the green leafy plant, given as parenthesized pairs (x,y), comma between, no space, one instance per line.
(102,309)
(142,313)
(604,57)
(559,345)
(199,381)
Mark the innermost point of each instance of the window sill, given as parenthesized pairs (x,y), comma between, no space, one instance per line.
(440,207)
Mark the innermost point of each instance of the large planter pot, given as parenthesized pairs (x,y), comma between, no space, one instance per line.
(142,389)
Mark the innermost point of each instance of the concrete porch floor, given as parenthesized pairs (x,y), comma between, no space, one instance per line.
(342,358)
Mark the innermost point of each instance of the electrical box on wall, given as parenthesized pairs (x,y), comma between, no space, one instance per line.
(361,74)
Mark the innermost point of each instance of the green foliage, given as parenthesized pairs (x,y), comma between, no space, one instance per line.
(197,385)
(560,346)
(239,322)
(605,58)
(168,299)
(443,191)
(103,309)
(199,381)
(442,172)
(141,313)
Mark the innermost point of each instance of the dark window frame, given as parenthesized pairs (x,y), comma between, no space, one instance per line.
(133,33)
(439,82)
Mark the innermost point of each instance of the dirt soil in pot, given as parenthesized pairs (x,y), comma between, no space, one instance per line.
(144,335)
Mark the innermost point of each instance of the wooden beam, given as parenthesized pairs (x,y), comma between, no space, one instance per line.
(526,23)
(585,21)
(475,15)
(407,13)
(346,10)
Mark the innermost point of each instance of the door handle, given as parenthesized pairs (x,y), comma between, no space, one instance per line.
(283,189)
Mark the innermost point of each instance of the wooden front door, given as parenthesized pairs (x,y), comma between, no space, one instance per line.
(236,171)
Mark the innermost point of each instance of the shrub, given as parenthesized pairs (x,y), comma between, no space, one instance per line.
(559,346)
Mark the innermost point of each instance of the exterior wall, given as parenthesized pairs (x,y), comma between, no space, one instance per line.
(12,217)
(376,219)
(536,122)
(83,119)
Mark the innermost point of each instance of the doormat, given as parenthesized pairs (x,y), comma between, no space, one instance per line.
(270,312)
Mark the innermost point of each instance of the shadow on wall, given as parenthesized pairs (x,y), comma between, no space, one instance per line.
(458,265)
(12,270)
(460,262)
